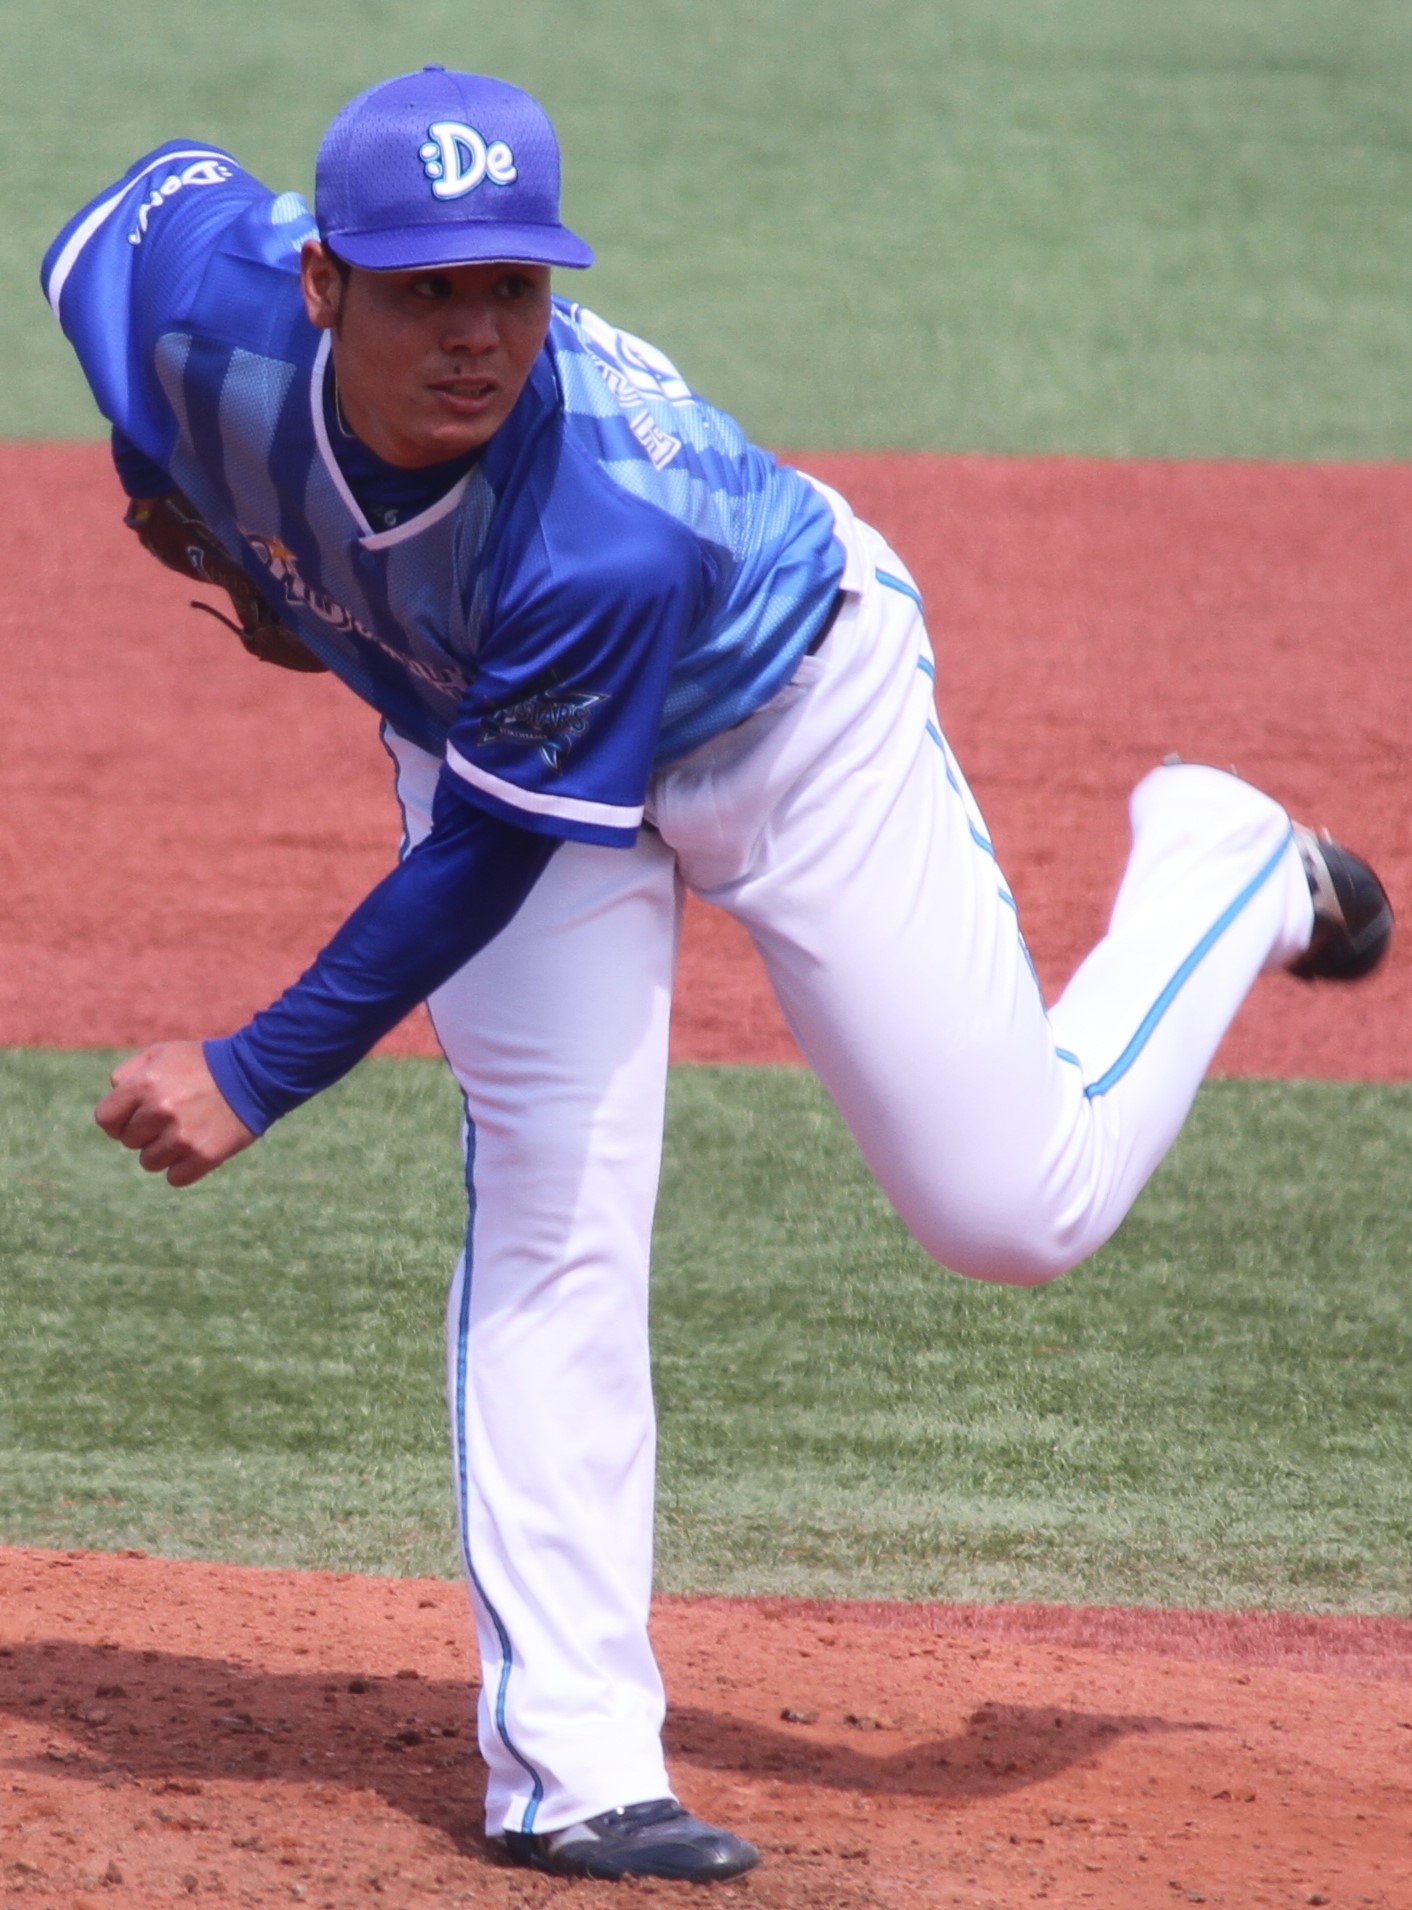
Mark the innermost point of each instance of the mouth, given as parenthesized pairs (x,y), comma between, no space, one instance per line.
(466,397)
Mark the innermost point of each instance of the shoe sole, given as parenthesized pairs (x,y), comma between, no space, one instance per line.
(644,1865)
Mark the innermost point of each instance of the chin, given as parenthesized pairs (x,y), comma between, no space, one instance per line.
(454,441)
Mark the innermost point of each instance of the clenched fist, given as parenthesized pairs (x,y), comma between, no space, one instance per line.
(166,1106)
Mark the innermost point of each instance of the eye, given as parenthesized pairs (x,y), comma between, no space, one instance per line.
(515,286)
(430,285)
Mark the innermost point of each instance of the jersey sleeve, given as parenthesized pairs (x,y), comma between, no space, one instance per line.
(137,473)
(451,895)
(558,728)
(128,266)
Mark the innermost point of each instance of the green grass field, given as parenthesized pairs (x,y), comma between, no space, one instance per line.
(1022,225)
(1211,1413)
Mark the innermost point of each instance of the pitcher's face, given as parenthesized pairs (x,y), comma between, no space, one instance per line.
(429,363)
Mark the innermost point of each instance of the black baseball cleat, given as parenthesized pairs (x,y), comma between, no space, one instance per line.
(1352,913)
(657,1839)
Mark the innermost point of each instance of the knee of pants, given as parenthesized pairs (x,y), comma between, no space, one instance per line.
(1016,1243)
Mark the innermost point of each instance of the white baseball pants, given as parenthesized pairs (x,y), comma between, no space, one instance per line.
(836,825)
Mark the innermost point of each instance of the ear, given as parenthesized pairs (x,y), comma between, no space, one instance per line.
(322,285)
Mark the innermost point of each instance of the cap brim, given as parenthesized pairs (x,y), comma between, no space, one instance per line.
(471,243)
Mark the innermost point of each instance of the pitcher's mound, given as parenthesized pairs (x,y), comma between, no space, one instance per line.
(176,1731)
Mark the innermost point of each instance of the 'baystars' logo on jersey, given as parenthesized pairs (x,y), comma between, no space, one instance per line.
(283,566)
(455,158)
(555,719)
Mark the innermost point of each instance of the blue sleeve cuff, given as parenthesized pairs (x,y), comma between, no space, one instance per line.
(233,1080)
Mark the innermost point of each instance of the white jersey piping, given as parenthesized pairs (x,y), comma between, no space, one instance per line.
(571,808)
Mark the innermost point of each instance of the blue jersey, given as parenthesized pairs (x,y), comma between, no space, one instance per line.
(619,577)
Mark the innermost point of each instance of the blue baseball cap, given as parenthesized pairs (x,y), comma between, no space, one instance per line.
(439,168)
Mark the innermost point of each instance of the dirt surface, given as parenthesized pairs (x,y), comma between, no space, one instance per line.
(186,827)
(172,1731)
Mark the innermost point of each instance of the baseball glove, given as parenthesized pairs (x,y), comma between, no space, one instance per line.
(172,530)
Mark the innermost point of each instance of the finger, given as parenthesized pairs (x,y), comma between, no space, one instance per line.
(214,1152)
(186,1173)
(160,1152)
(116,1109)
(127,1072)
(143,1126)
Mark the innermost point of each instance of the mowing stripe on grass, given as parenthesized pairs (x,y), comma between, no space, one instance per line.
(1211,1413)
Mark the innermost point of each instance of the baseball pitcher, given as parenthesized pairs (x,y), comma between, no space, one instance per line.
(616,651)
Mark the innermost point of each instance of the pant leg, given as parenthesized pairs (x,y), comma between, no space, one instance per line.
(837,826)
(557,1033)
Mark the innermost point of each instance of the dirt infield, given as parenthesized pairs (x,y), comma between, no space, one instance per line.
(193,1731)
(186,827)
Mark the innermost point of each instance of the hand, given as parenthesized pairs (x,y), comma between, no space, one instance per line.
(166,1105)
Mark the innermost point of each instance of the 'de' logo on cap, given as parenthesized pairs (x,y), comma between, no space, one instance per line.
(438,168)
(456,159)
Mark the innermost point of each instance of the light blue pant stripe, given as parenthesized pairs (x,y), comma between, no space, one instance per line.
(1169,994)
(899,583)
(976,836)
(507,1656)
(1014,909)
(928,670)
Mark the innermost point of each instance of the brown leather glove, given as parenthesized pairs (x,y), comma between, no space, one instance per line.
(173,531)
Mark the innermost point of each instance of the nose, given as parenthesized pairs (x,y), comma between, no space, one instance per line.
(471,327)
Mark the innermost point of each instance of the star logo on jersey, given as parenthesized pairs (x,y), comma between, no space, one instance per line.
(456,158)
(554,719)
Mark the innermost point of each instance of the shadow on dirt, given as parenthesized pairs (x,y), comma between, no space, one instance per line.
(174,1723)
(1004,1748)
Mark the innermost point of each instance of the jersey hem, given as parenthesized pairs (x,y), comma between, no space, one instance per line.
(528,806)
(561,827)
